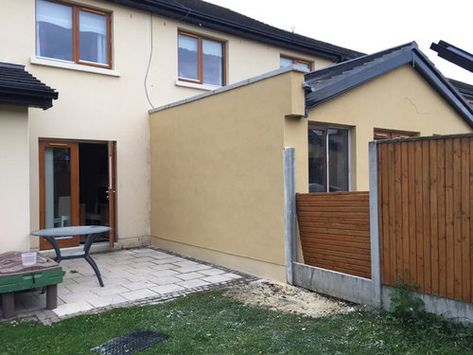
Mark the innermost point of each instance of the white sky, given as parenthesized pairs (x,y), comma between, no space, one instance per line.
(372,25)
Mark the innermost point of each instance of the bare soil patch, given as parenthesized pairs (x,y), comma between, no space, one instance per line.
(289,299)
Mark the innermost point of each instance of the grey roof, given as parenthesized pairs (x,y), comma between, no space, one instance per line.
(465,89)
(326,84)
(18,87)
(201,13)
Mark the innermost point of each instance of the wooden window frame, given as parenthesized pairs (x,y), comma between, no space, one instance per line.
(392,134)
(76,9)
(298,61)
(325,129)
(200,58)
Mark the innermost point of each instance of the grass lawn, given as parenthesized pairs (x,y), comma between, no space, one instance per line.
(210,323)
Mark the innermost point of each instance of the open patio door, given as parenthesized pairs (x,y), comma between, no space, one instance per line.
(111,193)
(77,187)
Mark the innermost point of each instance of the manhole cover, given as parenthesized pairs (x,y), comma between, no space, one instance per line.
(130,343)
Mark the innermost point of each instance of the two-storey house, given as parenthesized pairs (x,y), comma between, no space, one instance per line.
(112,61)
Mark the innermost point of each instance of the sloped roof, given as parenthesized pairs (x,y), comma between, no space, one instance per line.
(454,54)
(465,89)
(18,87)
(219,18)
(326,84)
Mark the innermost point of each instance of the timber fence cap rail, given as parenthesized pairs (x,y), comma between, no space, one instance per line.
(423,138)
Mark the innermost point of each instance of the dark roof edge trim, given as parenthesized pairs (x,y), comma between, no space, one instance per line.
(423,65)
(359,79)
(454,55)
(201,19)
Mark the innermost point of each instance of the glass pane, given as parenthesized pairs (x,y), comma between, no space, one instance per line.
(212,62)
(54,30)
(57,180)
(285,62)
(93,42)
(338,159)
(188,58)
(317,172)
(302,66)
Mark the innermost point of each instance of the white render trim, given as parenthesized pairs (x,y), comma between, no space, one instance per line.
(230,87)
(73,66)
(205,87)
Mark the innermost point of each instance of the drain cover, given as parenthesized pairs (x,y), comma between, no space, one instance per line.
(130,343)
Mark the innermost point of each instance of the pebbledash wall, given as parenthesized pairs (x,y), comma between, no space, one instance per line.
(100,104)
(14,192)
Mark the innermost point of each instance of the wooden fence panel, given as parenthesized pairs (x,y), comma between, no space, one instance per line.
(425,214)
(335,231)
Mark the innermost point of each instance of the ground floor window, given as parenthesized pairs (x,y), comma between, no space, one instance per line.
(328,159)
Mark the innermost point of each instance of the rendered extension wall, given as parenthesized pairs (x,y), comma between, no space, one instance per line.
(399,100)
(14,176)
(111,105)
(217,175)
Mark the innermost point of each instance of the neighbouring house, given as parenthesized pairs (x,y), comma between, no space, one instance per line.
(19,90)
(217,168)
(88,156)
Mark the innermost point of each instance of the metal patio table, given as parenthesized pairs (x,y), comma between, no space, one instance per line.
(53,235)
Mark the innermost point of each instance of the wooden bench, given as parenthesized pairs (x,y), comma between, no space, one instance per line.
(15,277)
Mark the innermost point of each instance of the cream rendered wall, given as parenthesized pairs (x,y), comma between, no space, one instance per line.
(93,106)
(399,100)
(14,176)
(217,175)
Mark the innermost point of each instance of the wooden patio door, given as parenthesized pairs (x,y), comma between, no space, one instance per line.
(111,193)
(59,188)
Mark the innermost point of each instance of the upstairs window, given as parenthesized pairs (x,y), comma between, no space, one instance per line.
(298,63)
(201,60)
(73,33)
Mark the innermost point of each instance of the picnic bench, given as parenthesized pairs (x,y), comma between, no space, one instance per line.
(15,277)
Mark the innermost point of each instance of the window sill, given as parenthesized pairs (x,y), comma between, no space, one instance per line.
(73,66)
(204,87)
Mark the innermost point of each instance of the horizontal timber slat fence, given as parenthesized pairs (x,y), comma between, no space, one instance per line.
(425,204)
(335,231)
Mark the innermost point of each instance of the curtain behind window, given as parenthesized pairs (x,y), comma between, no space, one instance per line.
(54,30)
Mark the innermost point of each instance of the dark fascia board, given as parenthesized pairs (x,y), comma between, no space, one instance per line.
(454,54)
(25,97)
(425,67)
(25,100)
(179,13)
(355,80)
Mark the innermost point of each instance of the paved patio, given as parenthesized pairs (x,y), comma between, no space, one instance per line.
(137,276)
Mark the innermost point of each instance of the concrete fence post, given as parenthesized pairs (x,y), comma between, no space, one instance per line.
(374,225)
(289,212)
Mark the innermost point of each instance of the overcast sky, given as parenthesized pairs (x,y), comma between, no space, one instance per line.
(372,25)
